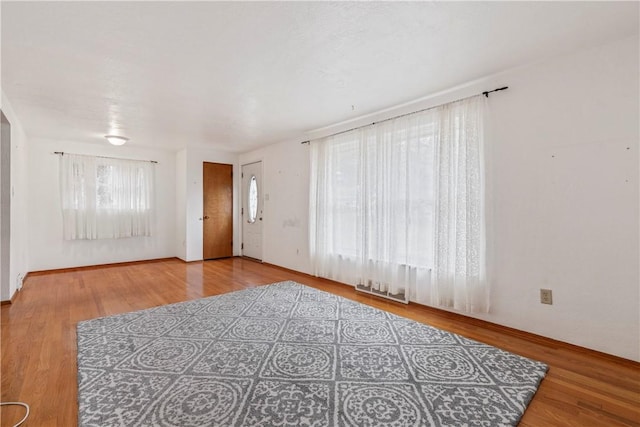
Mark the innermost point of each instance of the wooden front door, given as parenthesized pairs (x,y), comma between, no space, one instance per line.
(218,210)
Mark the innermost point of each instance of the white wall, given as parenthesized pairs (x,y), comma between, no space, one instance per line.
(48,249)
(564,171)
(285,181)
(18,266)
(181,203)
(178,230)
(566,199)
(191,204)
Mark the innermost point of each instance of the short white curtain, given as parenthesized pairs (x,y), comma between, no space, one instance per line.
(399,206)
(105,198)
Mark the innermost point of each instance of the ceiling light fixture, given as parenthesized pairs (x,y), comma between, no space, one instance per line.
(116,140)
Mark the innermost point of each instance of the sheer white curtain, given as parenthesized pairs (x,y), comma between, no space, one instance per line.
(105,198)
(398,206)
(459,270)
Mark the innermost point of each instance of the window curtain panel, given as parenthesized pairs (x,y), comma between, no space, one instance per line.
(459,272)
(399,206)
(105,198)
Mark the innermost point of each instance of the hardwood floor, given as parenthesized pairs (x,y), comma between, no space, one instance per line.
(38,365)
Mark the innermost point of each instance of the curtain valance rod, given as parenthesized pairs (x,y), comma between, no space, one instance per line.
(485,93)
(61,153)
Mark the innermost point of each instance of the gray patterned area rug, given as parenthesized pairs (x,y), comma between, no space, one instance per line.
(289,355)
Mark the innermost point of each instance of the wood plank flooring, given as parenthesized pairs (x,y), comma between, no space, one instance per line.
(38,340)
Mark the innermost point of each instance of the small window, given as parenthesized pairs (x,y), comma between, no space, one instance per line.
(105,198)
(253,199)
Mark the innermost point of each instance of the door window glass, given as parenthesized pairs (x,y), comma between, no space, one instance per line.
(253,199)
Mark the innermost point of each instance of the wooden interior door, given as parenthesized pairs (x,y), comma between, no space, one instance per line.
(217,226)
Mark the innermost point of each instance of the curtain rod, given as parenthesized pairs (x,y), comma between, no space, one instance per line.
(485,93)
(61,153)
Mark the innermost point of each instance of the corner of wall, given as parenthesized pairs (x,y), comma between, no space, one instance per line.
(181,196)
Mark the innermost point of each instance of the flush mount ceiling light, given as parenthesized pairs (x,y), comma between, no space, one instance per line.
(116,140)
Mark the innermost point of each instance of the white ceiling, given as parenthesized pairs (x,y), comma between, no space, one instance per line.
(238,75)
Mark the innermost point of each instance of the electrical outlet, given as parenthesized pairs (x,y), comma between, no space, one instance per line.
(546,296)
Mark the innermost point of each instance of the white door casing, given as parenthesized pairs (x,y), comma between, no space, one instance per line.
(252,208)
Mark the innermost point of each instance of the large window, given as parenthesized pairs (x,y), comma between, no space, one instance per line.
(379,188)
(105,198)
(398,206)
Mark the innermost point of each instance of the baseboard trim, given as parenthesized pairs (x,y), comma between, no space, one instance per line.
(472,321)
(14,296)
(93,267)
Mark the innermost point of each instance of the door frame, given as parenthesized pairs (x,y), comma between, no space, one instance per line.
(243,194)
(5,210)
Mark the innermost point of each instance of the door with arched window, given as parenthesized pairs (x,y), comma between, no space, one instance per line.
(252,210)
